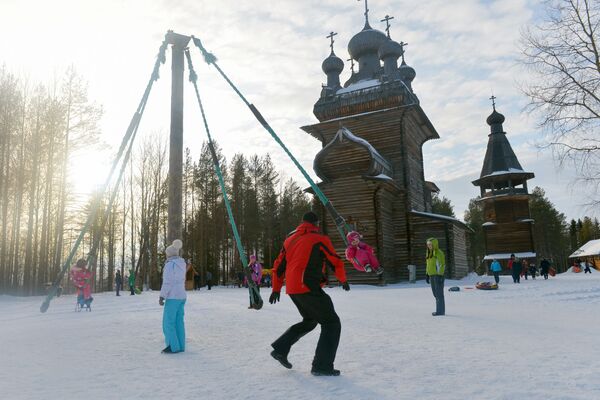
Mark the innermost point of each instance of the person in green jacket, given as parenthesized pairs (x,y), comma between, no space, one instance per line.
(131,281)
(435,268)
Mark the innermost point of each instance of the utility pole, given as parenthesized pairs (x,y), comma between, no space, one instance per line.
(179,43)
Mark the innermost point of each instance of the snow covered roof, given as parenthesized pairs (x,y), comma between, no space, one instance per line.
(439,216)
(364,84)
(379,168)
(506,256)
(591,248)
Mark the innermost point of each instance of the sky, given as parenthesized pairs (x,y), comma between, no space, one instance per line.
(462,51)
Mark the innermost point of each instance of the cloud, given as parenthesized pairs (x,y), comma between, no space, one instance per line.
(461,50)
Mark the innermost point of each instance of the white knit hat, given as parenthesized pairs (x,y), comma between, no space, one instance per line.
(173,249)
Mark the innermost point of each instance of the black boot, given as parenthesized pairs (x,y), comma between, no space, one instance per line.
(323,372)
(282,359)
(167,350)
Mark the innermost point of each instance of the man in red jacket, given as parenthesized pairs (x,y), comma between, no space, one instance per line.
(302,263)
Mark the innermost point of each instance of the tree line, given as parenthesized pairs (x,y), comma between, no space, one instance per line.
(42,127)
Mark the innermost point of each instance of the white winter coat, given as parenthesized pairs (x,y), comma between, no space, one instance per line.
(173,284)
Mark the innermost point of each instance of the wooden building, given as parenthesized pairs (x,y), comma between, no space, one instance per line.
(371,165)
(508,226)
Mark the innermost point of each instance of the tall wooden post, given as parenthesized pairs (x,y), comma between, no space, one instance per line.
(179,43)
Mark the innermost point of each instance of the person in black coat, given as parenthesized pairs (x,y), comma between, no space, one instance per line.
(544,268)
(118,282)
(517,267)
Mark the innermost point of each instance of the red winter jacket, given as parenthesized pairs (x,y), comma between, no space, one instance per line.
(302,261)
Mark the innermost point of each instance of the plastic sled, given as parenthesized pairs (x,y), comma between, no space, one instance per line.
(486,286)
(454,289)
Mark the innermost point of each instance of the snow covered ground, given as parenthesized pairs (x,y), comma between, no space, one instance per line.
(536,340)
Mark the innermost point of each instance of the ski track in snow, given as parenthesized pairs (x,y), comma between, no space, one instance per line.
(536,341)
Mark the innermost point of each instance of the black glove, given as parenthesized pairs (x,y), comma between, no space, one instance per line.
(426,278)
(345,286)
(161,301)
(274,298)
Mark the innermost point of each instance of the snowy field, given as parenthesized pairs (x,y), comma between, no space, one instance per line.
(536,340)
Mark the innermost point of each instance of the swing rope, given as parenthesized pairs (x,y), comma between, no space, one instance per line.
(128,138)
(255,298)
(340,223)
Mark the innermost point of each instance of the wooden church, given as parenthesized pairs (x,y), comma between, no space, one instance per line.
(508,226)
(372,130)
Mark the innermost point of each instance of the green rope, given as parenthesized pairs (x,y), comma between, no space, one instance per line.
(340,223)
(255,299)
(128,138)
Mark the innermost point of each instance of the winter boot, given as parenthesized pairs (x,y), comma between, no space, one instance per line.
(368,268)
(323,372)
(282,359)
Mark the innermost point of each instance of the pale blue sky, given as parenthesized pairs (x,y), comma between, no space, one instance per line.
(462,50)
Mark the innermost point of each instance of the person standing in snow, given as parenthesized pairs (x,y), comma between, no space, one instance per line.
(586,267)
(524,268)
(172,297)
(517,266)
(118,282)
(496,269)
(544,268)
(82,279)
(361,255)
(301,263)
(256,274)
(131,281)
(209,279)
(435,269)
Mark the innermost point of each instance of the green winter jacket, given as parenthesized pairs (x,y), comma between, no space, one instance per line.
(436,262)
(131,278)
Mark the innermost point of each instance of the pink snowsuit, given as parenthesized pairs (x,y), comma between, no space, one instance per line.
(256,268)
(361,255)
(82,280)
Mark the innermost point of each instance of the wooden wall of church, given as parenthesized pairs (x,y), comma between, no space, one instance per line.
(511,237)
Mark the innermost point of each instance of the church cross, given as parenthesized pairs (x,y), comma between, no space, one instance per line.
(493,99)
(366,10)
(387,23)
(330,36)
(351,64)
(402,44)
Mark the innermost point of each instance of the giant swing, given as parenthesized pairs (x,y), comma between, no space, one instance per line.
(181,53)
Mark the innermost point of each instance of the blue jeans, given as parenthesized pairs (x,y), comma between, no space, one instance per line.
(173,325)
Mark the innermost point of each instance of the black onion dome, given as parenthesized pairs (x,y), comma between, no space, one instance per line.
(495,118)
(332,64)
(366,41)
(390,48)
(407,73)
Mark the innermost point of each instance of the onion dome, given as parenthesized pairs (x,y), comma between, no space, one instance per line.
(390,48)
(332,64)
(407,73)
(368,40)
(495,118)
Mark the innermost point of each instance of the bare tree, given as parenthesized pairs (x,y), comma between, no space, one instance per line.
(563,54)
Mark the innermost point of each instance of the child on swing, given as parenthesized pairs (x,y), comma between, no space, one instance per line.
(361,255)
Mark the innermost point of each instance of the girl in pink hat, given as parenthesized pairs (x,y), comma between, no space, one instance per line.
(361,255)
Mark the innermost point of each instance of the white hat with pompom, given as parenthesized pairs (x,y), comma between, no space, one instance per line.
(173,249)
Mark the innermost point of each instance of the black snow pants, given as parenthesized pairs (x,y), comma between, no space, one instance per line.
(315,308)
(496,276)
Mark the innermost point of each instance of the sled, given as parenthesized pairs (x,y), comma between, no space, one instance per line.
(577,269)
(552,272)
(486,286)
(454,289)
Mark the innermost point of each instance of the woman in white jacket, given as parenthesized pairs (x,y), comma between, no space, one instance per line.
(172,297)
